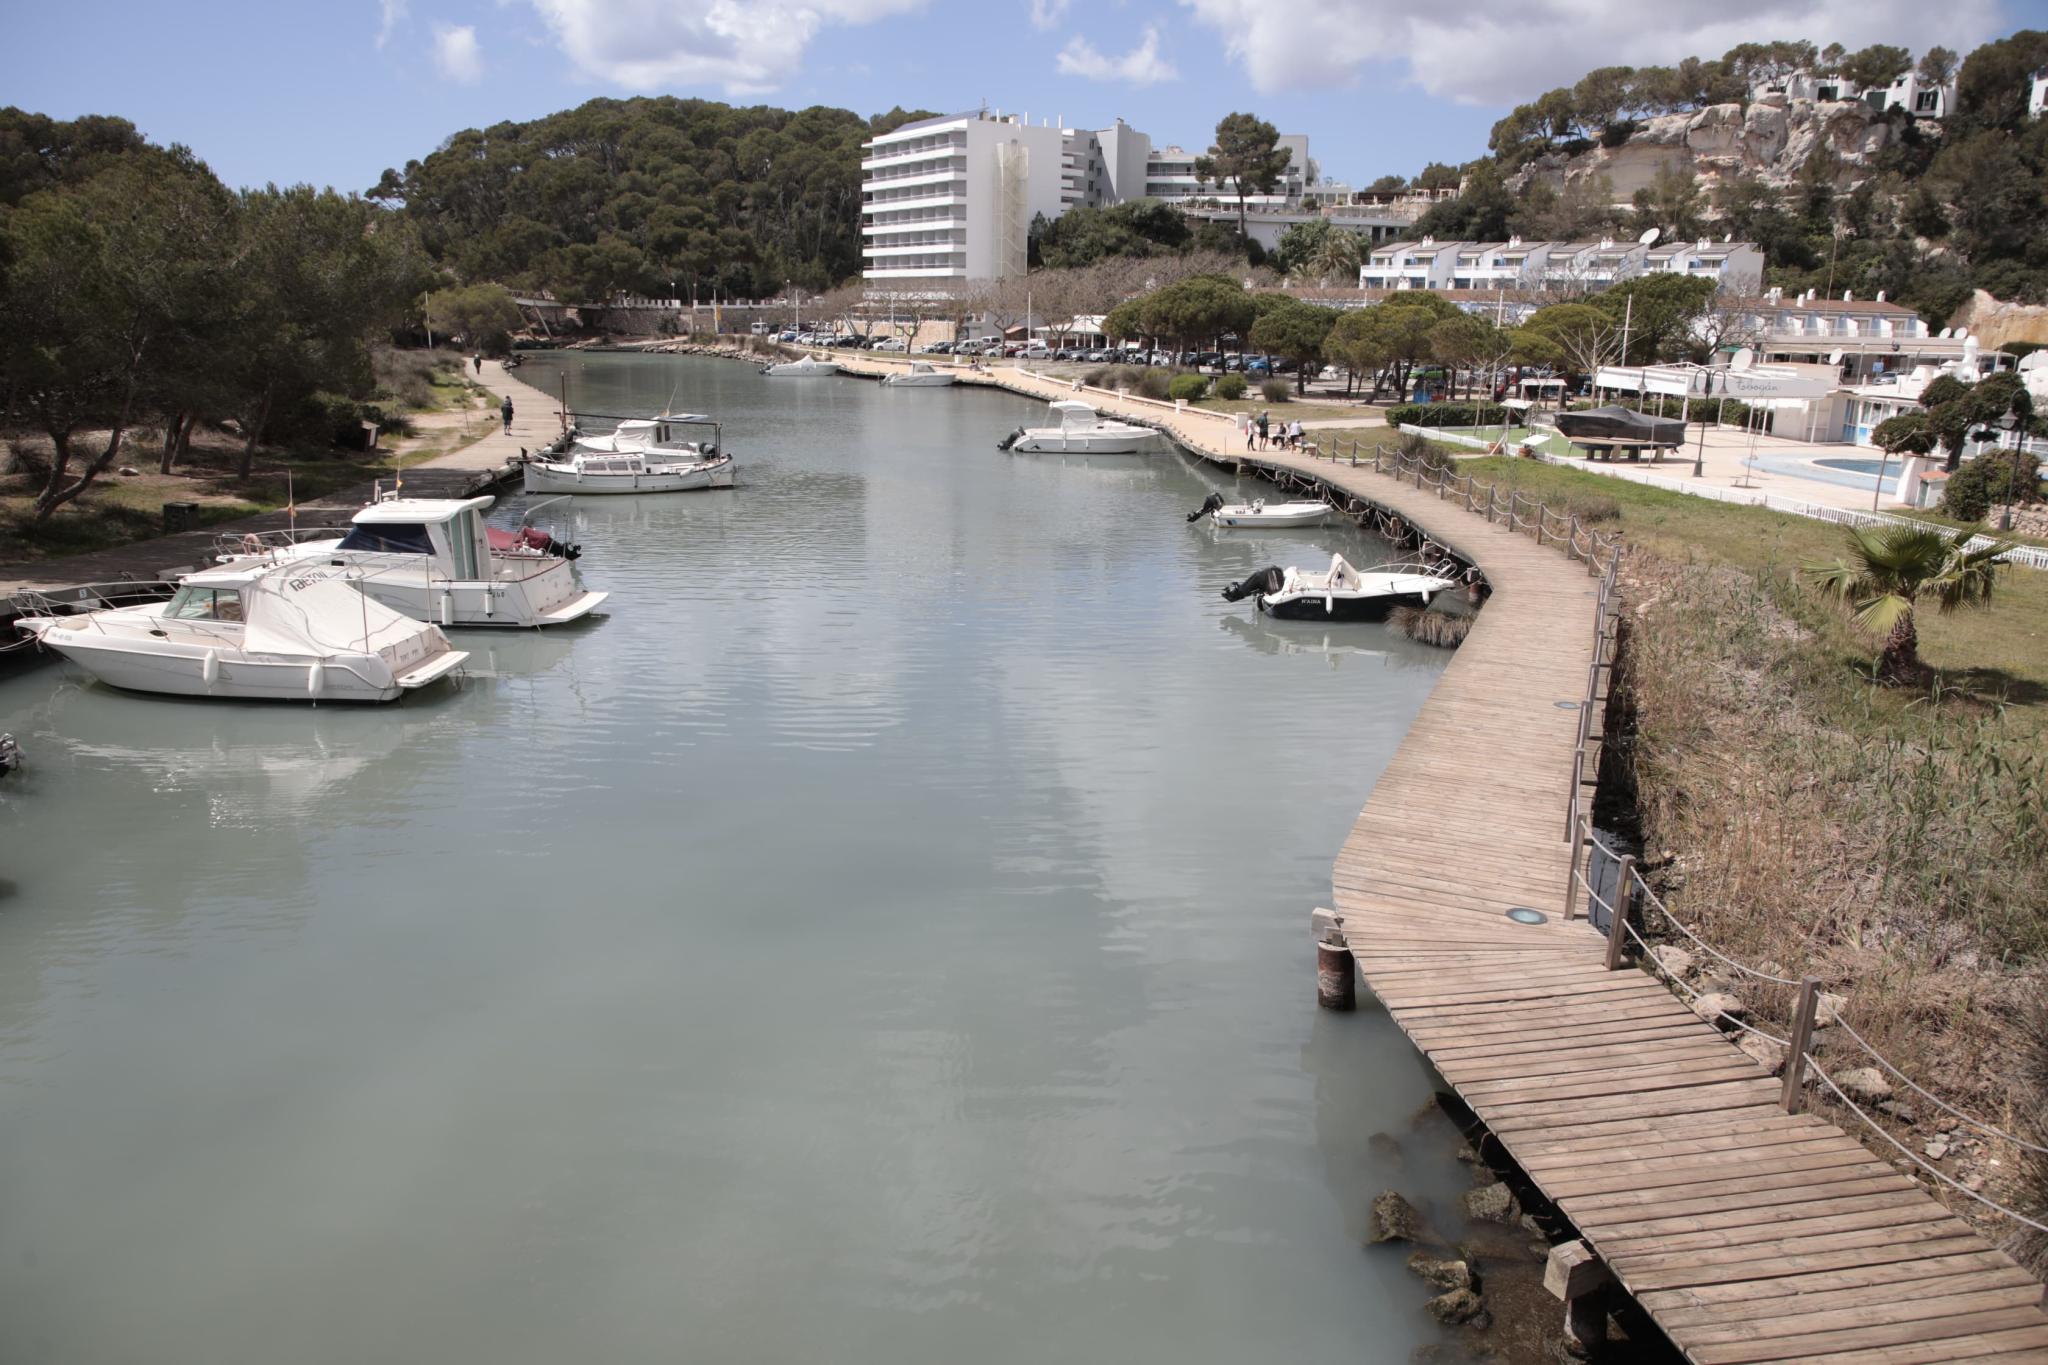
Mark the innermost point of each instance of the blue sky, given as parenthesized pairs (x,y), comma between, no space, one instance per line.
(333,91)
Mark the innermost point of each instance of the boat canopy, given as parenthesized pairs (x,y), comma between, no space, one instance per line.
(301,609)
(418,511)
(1073,413)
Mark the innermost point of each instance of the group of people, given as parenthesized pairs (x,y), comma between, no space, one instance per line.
(1260,435)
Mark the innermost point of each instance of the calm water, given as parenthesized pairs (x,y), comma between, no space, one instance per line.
(882,939)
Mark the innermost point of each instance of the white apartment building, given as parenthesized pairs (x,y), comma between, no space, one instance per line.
(1909,92)
(1554,266)
(951,199)
(2037,94)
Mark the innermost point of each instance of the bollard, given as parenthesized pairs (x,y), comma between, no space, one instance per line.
(1576,1275)
(1336,970)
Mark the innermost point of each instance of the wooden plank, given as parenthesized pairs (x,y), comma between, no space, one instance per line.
(1861,1338)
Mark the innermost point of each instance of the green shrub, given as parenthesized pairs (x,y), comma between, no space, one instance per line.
(1152,384)
(1188,386)
(1447,415)
(1096,377)
(1985,482)
(1593,507)
(1230,387)
(1275,390)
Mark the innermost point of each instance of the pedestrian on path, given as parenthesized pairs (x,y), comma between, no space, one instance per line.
(1265,422)
(479,359)
(505,411)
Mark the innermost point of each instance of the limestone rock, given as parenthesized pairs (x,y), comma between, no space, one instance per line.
(1936,1149)
(1458,1306)
(1493,1203)
(1865,1085)
(1676,961)
(1765,1053)
(1383,1145)
(1827,1008)
(1441,1274)
(1714,1006)
(1394,1219)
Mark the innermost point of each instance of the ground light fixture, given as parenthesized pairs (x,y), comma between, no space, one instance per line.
(1522,914)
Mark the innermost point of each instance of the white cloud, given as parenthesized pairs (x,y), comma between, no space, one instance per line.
(456,53)
(745,47)
(1507,54)
(1142,65)
(1048,13)
(390,12)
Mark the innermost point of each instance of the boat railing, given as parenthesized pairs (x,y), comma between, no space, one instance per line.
(237,545)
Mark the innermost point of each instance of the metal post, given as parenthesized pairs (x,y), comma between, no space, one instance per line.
(1577,837)
(1617,923)
(1801,1038)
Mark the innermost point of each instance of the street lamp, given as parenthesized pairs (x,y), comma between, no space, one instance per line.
(2006,424)
(1699,450)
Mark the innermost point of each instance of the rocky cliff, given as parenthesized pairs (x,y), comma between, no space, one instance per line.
(1768,140)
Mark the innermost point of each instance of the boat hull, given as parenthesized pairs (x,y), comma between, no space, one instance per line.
(1338,607)
(921,381)
(1274,518)
(801,369)
(181,671)
(1054,443)
(549,478)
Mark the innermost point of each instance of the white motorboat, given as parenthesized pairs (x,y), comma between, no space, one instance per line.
(1081,430)
(1259,512)
(1339,593)
(808,365)
(642,455)
(921,375)
(433,559)
(257,631)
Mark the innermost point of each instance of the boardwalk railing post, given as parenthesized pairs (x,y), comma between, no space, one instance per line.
(1336,969)
(1578,841)
(1617,921)
(1801,1038)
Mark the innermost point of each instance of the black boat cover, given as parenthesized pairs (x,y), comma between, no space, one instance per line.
(1620,426)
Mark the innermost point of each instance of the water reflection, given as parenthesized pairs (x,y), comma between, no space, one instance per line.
(848,949)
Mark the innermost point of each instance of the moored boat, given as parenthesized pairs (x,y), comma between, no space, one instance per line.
(806,366)
(1260,513)
(1339,593)
(282,632)
(921,375)
(641,455)
(433,559)
(1081,430)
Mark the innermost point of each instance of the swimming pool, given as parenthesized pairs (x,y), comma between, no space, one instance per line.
(1861,466)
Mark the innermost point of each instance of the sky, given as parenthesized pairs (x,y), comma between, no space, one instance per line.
(333,91)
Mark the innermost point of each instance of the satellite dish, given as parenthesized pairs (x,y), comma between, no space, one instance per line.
(1834,357)
(1650,236)
(1947,332)
(1742,359)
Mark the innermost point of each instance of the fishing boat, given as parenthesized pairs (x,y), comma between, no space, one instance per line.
(1260,513)
(1081,430)
(433,559)
(800,368)
(1339,593)
(641,455)
(921,375)
(280,632)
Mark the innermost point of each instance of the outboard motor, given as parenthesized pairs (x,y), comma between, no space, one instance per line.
(1214,504)
(1011,439)
(10,754)
(1266,580)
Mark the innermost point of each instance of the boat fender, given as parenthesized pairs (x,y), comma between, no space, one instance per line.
(209,670)
(316,679)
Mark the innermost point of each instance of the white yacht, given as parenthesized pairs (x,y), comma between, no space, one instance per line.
(433,559)
(1339,593)
(1260,513)
(641,455)
(256,631)
(1081,430)
(808,365)
(922,374)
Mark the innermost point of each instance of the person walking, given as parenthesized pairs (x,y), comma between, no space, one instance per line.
(1265,422)
(505,411)
(1294,434)
(479,359)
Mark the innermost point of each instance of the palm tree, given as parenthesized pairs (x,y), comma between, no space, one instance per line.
(1889,568)
(1336,256)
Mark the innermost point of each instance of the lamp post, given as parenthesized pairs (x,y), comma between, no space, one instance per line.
(2006,424)
(1699,450)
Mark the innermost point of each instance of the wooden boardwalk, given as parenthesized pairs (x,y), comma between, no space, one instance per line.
(1749,1234)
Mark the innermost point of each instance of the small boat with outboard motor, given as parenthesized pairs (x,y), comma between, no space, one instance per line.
(922,374)
(1340,592)
(805,367)
(1260,513)
(1081,431)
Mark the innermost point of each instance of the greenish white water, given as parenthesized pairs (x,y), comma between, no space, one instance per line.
(882,939)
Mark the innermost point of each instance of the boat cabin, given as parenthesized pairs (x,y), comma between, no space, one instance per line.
(447,529)
(1073,413)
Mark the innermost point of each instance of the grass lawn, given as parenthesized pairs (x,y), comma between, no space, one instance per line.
(1997,653)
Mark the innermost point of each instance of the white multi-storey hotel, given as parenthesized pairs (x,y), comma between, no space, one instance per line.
(946,200)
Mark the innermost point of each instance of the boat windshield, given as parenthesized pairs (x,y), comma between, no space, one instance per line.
(388,537)
(204,604)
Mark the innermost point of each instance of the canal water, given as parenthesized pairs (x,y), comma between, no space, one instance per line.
(883,938)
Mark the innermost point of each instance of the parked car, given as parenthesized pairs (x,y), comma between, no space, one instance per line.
(786,336)
(1232,364)
(1258,364)
(890,344)
(1208,360)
